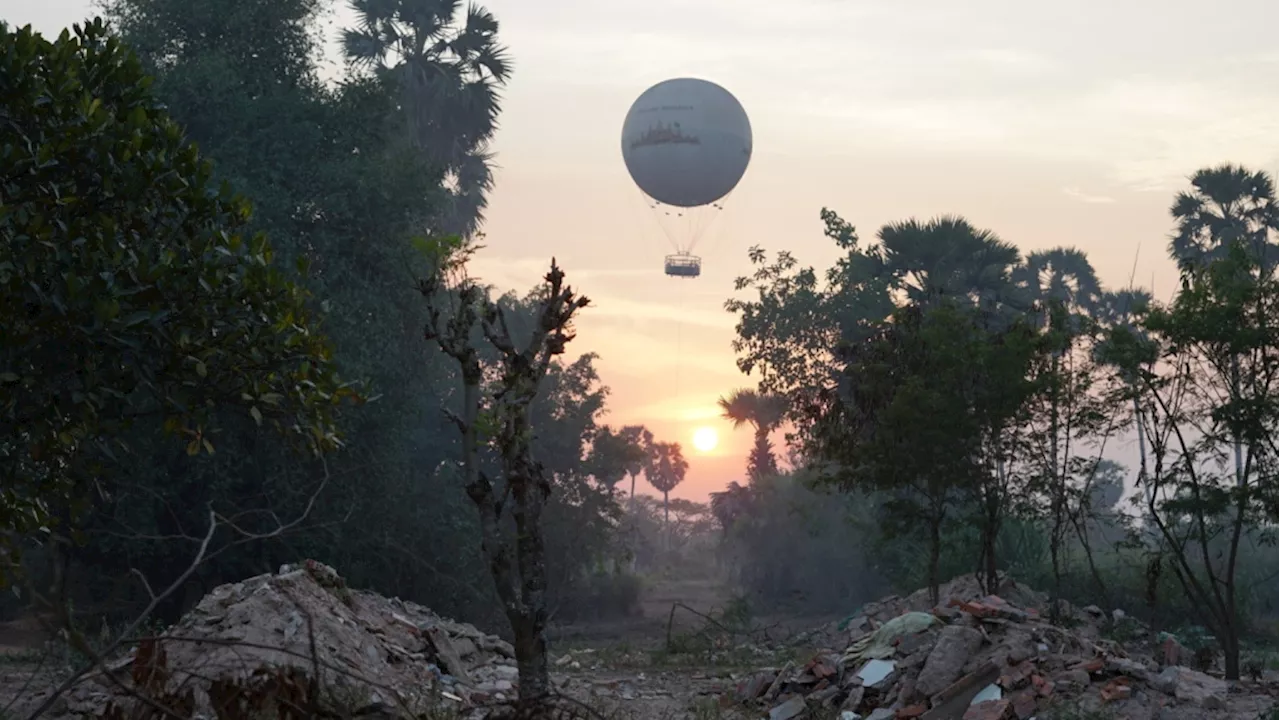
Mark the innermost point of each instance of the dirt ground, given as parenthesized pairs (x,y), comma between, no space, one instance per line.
(693,663)
(622,668)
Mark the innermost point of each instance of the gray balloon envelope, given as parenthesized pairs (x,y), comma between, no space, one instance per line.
(686,142)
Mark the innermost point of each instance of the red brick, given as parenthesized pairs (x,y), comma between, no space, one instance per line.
(1116,689)
(1017,676)
(1044,688)
(1092,665)
(1024,704)
(990,710)
(911,711)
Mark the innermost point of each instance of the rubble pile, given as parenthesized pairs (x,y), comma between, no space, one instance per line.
(374,652)
(976,656)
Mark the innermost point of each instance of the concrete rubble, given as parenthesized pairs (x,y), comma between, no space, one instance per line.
(980,656)
(381,656)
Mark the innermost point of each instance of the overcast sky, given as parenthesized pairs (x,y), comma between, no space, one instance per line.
(1049,123)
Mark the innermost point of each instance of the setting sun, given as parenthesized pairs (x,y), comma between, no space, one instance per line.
(705,439)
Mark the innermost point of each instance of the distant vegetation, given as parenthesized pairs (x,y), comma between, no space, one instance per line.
(960,401)
(218,271)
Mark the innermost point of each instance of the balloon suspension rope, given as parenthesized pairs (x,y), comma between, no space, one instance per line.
(680,304)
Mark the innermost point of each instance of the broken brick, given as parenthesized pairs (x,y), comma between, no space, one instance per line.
(911,711)
(1091,666)
(1116,689)
(1024,704)
(1044,688)
(1017,676)
(990,710)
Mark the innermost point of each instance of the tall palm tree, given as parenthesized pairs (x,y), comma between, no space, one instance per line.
(450,72)
(1227,205)
(1119,309)
(948,257)
(1059,289)
(638,453)
(1061,275)
(764,412)
(667,470)
(1060,278)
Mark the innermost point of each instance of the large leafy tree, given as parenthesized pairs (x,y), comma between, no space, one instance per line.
(1228,208)
(616,453)
(131,294)
(923,418)
(326,168)
(1207,367)
(450,68)
(788,332)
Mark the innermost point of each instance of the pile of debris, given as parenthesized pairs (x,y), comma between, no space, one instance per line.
(980,656)
(300,633)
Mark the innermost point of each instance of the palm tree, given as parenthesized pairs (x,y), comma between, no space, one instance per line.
(948,257)
(764,412)
(666,471)
(1118,309)
(1228,205)
(1060,276)
(1061,279)
(638,453)
(1059,289)
(449,74)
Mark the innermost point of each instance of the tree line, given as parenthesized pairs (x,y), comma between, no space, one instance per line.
(958,383)
(207,241)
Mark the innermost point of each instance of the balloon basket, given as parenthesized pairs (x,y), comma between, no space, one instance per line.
(683,265)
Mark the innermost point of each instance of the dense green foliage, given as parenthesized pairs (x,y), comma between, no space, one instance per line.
(334,181)
(134,296)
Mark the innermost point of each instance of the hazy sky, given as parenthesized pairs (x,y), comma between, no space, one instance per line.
(1049,123)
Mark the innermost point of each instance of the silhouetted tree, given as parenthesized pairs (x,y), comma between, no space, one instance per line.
(450,72)
(764,413)
(666,471)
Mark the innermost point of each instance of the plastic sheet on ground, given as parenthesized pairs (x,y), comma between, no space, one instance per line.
(880,644)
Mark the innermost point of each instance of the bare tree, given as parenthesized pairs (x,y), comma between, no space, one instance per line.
(495,415)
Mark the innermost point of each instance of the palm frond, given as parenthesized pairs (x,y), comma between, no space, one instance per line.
(372,13)
(363,49)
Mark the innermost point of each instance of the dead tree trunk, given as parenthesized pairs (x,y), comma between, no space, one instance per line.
(499,419)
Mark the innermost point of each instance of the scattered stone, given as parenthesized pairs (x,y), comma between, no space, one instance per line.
(788,709)
(1194,687)
(303,622)
(990,657)
(947,659)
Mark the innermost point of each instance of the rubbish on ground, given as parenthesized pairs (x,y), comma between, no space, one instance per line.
(299,626)
(874,671)
(977,655)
